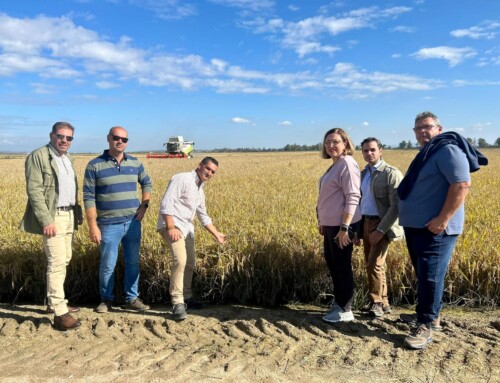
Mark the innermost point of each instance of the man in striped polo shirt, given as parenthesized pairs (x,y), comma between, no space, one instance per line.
(114,215)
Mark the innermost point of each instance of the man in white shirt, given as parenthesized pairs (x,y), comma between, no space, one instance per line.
(183,199)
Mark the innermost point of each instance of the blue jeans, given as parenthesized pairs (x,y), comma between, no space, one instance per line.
(129,234)
(430,255)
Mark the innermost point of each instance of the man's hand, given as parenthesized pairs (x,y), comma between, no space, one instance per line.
(436,225)
(95,234)
(141,211)
(221,238)
(50,230)
(174,234)
(375,237)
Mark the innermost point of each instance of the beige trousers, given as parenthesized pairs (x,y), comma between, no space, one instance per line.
(183,263)
(58,251)
(375,262)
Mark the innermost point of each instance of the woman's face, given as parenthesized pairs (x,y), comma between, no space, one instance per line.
(334,145)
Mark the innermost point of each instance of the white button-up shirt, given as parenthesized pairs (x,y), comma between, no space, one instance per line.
(66,179)
(183,199)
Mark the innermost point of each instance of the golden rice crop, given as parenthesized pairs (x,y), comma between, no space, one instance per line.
(265,204)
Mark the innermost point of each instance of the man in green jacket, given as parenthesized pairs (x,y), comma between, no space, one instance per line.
(53,212)
(379,207)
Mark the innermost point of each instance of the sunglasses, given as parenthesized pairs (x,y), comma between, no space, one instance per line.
(62,136)
(118,138)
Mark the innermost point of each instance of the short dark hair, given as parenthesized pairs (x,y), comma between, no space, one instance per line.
(371,139)
(349,147)
(206,160)
(62,125)
(424,115)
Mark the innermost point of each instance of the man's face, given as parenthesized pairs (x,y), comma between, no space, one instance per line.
(206,171)
(425,130)
(371,152)
(59,139)
(116,140)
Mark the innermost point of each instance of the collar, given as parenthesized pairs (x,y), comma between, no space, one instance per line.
(108,157)
(54,151)
(371,169)
(197,179)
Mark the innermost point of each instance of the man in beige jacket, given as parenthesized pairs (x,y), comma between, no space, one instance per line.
(379,208)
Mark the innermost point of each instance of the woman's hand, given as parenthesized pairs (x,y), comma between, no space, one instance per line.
(321,230)
(342,239)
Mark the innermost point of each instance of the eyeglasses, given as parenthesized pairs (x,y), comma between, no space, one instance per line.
(332,142)
(62,137)
(424,127)
(118,138)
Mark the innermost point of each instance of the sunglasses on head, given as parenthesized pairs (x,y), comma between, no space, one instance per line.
(118,138)
(62,136)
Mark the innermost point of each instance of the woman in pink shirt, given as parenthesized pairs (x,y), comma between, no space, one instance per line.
(338,217)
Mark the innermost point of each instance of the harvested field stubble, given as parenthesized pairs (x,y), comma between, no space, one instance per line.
(265,203)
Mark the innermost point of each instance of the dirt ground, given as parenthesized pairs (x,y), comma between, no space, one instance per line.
(240,344)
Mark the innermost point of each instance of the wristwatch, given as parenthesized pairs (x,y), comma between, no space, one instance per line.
(145,205)
(344,227)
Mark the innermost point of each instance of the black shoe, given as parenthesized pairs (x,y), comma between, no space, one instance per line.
(194,305)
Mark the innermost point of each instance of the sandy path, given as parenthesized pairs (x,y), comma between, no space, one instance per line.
(235,344)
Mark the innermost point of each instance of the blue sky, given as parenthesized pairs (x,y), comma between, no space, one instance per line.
(245,73)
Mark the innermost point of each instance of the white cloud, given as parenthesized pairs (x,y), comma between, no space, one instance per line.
(454,56)
(240,120)
(70,52)
(486,30)
(306,36)
(365,123)
(396,55)
(167,9)
(293,8)
(285,123)
(253,5)
(106,85)
(475,83)
(360,82)
(403,29)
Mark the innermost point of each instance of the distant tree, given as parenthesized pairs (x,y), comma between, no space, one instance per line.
(471,141)
(402,145)
(481,142)
(409,145)
(497,142)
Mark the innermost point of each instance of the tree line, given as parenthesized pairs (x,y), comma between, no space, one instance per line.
(480,143)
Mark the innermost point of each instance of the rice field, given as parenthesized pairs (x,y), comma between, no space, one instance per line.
(265,204)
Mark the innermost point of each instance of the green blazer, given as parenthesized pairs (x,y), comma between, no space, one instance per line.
(42,187)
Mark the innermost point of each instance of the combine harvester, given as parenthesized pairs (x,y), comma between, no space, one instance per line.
(176,148)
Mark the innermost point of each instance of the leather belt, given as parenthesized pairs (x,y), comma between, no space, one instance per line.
(65,208)
(371,217)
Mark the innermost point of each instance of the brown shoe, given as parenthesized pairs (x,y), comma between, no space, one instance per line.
(66,322)
(51,310)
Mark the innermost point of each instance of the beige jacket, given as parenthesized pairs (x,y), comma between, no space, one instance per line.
(384,187)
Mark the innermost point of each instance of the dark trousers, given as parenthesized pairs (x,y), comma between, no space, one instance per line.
(339,264)
(430,255)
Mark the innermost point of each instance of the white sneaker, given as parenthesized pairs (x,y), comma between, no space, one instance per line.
(338,315)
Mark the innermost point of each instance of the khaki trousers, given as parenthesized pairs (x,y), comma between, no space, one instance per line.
(183,263)
(375,257)
(58,251)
